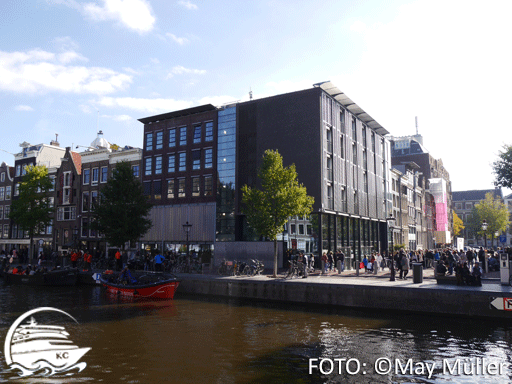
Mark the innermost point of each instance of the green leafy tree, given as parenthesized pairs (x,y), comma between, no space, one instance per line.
(281,196)
(494,212)
(458,225)
(32,210)
(502,168)
(121,212)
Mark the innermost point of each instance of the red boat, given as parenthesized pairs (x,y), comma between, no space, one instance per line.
(140,284)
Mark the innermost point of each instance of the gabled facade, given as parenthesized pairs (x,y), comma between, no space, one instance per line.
(6,184)
(67,200)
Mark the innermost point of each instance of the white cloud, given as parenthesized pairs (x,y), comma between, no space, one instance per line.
(187,4)
(176,39)
(118,117)
(70,56)
(136,15)
(40,71)
(159,105)
(24,108)
(85,108)
(154,60)
(180,70)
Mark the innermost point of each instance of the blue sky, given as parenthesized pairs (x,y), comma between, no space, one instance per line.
(69,66)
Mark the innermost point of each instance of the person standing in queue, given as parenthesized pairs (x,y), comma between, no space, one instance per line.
(88,261)
(119,261)
(159,259)
(74,258)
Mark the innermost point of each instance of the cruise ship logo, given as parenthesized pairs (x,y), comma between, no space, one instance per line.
(33,348)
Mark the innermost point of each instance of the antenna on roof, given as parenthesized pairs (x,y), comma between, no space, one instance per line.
(416,117)
(250,93)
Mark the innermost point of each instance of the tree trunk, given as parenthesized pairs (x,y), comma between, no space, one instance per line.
(275,258)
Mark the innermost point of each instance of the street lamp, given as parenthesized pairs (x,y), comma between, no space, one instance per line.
(496,235)
(484,228)
(186,228)
(389,221)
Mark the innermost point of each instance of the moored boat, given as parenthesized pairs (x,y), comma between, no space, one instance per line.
(57,277)
(141,284)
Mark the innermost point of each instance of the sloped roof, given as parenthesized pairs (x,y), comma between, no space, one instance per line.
(508,197)
(77,160)
(476,195)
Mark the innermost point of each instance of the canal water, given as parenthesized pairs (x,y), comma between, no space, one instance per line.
(209,340)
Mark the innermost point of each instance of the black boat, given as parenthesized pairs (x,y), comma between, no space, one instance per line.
(57,277)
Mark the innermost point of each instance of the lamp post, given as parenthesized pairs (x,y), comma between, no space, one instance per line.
(389,221)
(484,228)
(496,235)
(186,228)
(75,237)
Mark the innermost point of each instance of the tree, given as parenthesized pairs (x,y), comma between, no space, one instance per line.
(32,210)
(121,212)
(502,168)
(458,225)
(281,196)
(494,212)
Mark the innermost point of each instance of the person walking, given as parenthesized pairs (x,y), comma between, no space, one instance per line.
(119,261)
(405,266)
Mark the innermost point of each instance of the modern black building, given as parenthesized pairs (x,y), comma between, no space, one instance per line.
(340,154)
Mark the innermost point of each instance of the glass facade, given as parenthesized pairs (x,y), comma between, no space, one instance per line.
(226,161)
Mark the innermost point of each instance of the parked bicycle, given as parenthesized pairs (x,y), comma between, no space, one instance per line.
(295,269)
(227,268)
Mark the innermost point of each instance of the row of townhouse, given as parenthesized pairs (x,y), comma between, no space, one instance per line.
(464,202)
(77,179)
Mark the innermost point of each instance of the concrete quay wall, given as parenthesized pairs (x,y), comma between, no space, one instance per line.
(467,301)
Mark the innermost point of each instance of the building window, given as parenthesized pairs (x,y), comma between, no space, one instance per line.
(170,189)
(182,161)
(469,205)
(104,174)
(87,176)
(365,159)
(7,211)
(94,199)
(342,147)
(209,131)
(66,192)
(95,175)
(2,177)
(172,137)
(149,141)
(183,136)
(16,189)
(301,229)
(148,166)
(18,170)
(135,169)
(85,227)
(197,134)
(208,186)
(208,158)
(52,180)
(354,131)
(159,140)
(181,187)
(354,153)
(329,139)
(157,189)
(8,192)
(330,199)
(292,229)
(147,188)
(158,165)
(85,202)
(24,169)
(172,163)
(195,187)
(458,206)
(196,159)
(364,136)
(373,142)
(2,193)
(51,202)
(1,212)
(66,213)
(365,181)
(342,117)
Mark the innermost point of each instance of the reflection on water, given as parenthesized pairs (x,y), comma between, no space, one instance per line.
(191,340)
